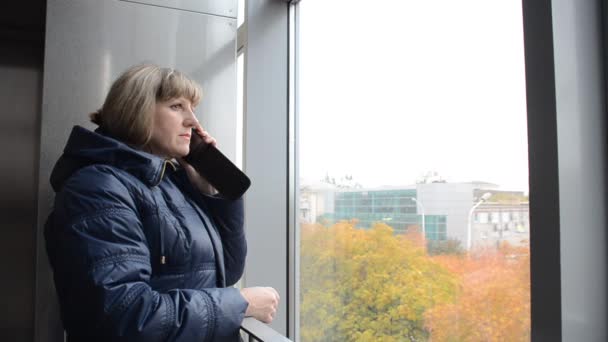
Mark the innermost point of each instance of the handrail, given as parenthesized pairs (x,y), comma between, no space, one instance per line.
(261,332)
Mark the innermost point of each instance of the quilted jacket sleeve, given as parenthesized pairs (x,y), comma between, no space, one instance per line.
(228,217)
(102,270)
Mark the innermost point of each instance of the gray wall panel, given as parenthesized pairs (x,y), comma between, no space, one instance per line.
(20,95)
(88,44)
(226,8)
(265,157)
(581,131)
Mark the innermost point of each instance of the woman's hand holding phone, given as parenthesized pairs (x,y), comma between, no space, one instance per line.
(195,177)
(214,168)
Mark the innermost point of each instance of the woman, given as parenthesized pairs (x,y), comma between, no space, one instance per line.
(143,248)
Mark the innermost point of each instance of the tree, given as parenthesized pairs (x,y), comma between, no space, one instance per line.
(494,299)
(450,246)
(345,182)
(367,285)
(373,285)
(430,177)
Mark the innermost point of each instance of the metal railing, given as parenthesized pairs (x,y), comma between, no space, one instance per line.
(260,332)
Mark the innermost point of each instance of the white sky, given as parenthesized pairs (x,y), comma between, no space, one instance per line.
(392,89)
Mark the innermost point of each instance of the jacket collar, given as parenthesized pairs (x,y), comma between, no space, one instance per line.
(85,147)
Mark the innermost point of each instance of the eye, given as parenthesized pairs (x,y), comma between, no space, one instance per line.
(176,106)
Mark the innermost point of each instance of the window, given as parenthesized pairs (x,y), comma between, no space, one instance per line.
(495,217)
(506,216)
(401,108)
(482,217)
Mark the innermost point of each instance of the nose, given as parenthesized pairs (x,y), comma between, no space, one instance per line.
(190,118)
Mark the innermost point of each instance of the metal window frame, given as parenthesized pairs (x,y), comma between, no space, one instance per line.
(266,154)
(547,272)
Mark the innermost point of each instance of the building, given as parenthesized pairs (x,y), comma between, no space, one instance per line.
(442,210)
(497,222)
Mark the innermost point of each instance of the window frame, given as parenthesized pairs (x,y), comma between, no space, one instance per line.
(273,27)
(545,273)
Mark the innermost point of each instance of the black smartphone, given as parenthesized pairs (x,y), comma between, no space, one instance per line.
(217,169)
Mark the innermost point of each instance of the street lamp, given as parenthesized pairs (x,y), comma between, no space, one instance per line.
(422,212)
(484,198)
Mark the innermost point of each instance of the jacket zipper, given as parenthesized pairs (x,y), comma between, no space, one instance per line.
(163,259)
(162,172)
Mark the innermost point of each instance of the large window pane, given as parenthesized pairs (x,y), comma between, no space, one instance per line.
(412,164)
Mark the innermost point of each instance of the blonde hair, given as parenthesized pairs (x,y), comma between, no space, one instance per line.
(127,112)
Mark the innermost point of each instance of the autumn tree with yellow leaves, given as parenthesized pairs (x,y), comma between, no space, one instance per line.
(367,285)
(373,285)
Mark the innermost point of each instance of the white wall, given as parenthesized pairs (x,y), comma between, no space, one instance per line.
(451,199)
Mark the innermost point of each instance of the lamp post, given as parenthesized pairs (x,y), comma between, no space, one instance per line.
(483,198)
(422,212)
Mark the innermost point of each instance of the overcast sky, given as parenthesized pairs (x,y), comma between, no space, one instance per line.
(392,89)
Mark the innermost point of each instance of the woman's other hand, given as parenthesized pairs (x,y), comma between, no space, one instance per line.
(195,178)
(263,302)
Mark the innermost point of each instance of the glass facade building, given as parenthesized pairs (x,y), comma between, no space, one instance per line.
(394,207)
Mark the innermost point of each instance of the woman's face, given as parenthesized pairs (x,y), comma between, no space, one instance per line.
(171,129)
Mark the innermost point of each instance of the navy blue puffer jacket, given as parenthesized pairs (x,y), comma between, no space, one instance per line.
(138,254)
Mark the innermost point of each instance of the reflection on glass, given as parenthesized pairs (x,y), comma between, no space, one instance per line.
(412,146)
(240,17)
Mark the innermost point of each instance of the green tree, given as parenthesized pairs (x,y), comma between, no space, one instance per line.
(449,246)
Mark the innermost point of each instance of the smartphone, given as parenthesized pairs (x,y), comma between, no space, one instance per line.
(217,169)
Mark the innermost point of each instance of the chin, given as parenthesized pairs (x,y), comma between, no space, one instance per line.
(182,153)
